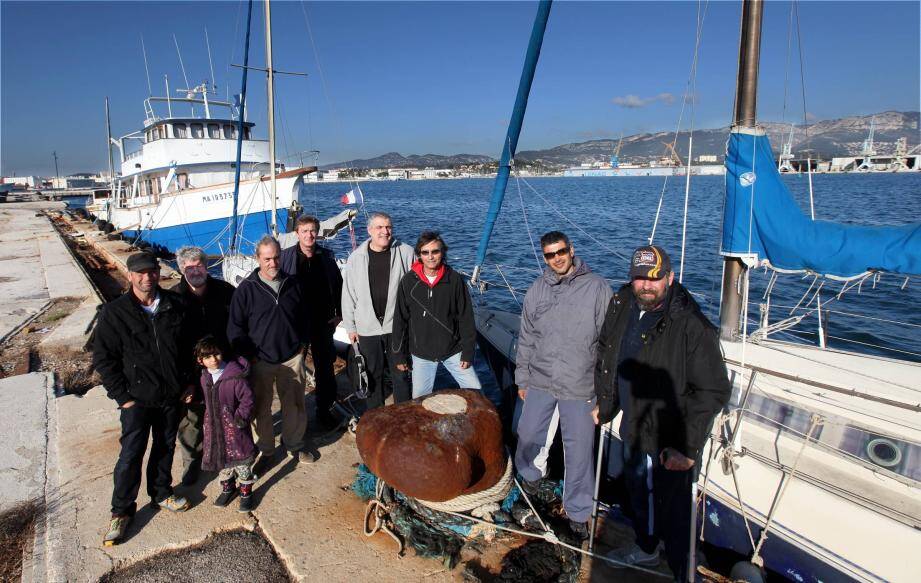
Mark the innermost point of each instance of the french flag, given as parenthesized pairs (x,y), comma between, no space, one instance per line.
(353,196)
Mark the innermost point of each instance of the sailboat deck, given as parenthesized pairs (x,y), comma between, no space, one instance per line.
(880,394)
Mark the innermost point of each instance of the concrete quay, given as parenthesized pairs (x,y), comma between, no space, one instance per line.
(61,450)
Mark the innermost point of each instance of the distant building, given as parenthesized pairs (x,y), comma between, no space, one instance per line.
(24,181)
(707,159)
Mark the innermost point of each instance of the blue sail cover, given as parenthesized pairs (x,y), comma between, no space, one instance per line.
(776,229)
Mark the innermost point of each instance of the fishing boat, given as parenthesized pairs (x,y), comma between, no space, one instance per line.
(177,181)
(813,470)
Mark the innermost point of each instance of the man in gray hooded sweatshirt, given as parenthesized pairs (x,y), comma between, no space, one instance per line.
(369,294)
(560,322)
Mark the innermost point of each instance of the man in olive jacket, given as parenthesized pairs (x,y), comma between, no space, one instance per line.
(659,362)
(141,351)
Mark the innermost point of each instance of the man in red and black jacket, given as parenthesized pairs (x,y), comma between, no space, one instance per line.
(433,320)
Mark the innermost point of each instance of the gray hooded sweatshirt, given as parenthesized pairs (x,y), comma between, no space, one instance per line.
(560,323)
(357,309)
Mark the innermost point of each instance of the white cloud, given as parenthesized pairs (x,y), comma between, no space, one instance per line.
(632,101)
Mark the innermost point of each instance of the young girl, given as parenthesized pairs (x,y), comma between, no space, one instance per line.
(228,442)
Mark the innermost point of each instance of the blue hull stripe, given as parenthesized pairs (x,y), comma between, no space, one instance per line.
(205,234)
(725,528)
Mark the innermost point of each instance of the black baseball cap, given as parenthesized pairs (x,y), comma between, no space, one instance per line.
(141,261)
(650,262)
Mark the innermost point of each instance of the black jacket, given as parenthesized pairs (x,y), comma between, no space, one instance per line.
(333,275)
(678,380)
(142,358)
(433,322)
(264,325)
(208,314)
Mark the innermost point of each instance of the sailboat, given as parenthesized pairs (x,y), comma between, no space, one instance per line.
(813,470)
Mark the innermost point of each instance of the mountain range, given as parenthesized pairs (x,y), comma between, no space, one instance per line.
(821,139)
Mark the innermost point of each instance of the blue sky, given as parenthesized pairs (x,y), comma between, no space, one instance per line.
(435,77)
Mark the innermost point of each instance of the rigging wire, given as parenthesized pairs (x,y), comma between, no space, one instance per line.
(568,220)
(527,227)
(337,123)
(690,94)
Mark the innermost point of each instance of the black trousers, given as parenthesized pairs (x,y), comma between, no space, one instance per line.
(138,424)
(660,507)
(323,352)
(376,350)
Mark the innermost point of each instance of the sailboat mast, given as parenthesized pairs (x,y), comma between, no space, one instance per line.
(743,116)
(241,115)
(271,99)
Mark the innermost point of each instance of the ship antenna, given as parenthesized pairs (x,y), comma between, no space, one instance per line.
(182,66)
(210,63)
(146,68)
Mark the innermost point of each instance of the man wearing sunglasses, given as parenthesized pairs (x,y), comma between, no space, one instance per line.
(560,322)
(433,320)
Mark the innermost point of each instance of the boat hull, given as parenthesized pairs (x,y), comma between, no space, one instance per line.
(203,216)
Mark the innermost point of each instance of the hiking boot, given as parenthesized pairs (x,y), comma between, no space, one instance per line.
(539,490)
(633,555)
(579,529)
(174,503)
(228,491)
(305,457)
(246,497)
(117,528)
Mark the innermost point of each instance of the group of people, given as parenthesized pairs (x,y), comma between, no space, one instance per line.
(200,365)
(647,352)
(203,362)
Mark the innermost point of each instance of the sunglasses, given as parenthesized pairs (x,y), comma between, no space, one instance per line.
(558,253)
(427,252)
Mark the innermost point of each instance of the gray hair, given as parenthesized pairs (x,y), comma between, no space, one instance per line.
(266,240)
(379,215)
(189,254)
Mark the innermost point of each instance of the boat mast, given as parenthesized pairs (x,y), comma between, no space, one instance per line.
(109,150)
(514,130)
(271,99)
(743,116)
(240,117)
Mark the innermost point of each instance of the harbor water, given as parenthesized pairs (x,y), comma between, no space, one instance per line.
(607,218)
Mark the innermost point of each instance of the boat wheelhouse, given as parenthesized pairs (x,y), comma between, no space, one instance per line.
(177,176)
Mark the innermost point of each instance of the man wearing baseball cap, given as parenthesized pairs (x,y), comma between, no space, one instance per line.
(659,363)
(140,350)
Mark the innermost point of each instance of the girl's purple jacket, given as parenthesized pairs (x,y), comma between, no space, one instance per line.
(228,440)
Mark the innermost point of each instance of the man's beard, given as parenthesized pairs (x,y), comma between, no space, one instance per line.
(196,279)
(650,302)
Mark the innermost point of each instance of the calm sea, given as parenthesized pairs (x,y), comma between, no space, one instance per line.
(607,217)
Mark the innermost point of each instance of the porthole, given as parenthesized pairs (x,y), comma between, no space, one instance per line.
(884,452)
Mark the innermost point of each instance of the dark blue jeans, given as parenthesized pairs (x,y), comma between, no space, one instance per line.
(660,507)
(139,424)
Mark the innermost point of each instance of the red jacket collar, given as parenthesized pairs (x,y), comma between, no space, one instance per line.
(418,270)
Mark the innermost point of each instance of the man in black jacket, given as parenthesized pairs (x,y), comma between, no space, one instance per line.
(140,349)
(269,326)
(659,363)
(321,285)
(433,320)
(207,302)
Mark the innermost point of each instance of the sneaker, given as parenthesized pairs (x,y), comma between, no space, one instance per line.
(579,529)
(117,528)
(305,457)
(174,503)
(633,555)
(539,490)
